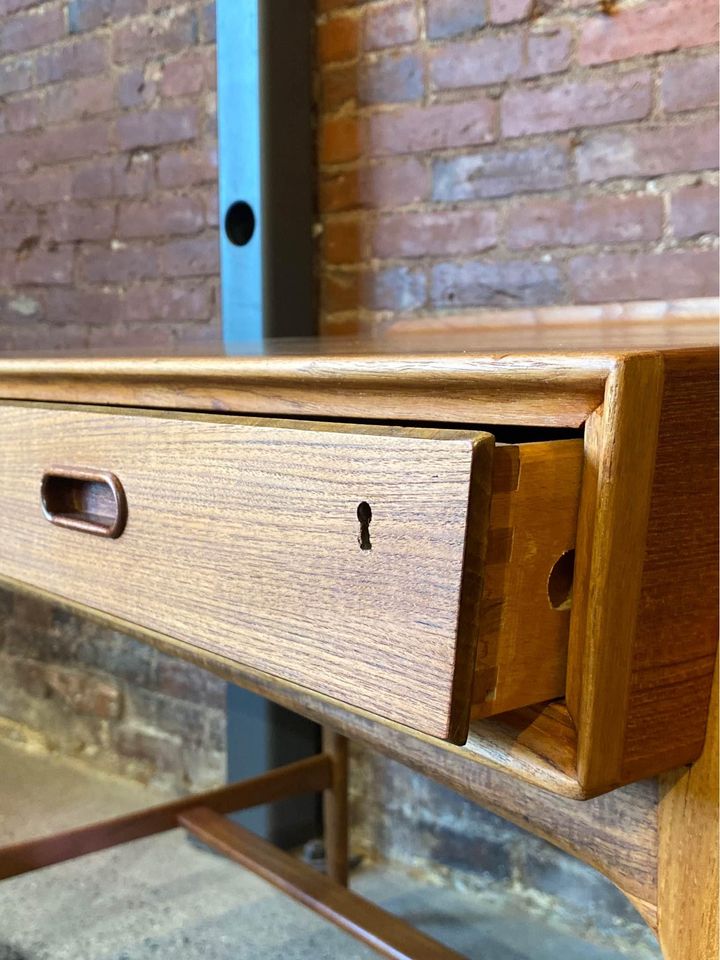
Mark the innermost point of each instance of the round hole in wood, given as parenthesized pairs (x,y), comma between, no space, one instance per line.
(240,223)
(560,582)
(364,513)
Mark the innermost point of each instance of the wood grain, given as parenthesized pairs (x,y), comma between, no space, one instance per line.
(631,414)
(243,538)
(386,934)
(673,650)
(336,819)
(523,641)
(688,854)
(304,776)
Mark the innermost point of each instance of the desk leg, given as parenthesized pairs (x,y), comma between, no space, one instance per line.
(688,854)
(335,807)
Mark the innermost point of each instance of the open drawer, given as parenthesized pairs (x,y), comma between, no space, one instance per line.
(420,574)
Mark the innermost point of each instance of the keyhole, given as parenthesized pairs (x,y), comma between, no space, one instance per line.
(364,515)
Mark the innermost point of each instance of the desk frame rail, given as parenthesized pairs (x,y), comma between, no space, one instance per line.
(203,815)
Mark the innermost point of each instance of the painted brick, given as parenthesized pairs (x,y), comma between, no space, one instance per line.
(157,127)
(434,233)
(510,11)
(392,79)
(581,103)
(652,27)
(645,276)
(501,172)
(159,218)
(395,288)
(391,25)
(31,30)
(648,151)
(436,127)
(508,284)
(690,84)
(551,222)
(694,211)
(451,18)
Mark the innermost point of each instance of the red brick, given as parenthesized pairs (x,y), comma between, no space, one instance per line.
(392,78)
(338,39)
(45,267)
(73,101)
(436,127)
(645,276)
(119,264)
(116,177)
(690,84)
(394,288)
(510,11)
(477,63)
(89,14)
(653,27)
(694,211)
(194,257)
(394,182)
(157,127)
(73,222)
(342,241)
(41,187)
(144,37)
(102,307)
(157,218)
(548,51)
(187,168)
(134,89)
(577,103)
(338,86)
(81,58)
(18,228)
(451,18)
(184,77)
(85,139)
(512,283)
(648,151)
(339,140)
(501,172)
(168,302)
(22,114)
(340,290)
(559,223)
(15,75)
(183,681)
(85,693)
(435,233)
(32,30)
(390,26)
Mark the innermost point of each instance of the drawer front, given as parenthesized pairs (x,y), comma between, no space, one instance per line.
(344,558)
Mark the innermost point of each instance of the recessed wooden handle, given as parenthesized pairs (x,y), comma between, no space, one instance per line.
(92,501)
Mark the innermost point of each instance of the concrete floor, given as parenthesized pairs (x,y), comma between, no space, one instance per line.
(164,898)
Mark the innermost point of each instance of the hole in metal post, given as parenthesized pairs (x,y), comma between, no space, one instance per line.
(364,515)
(240,223)
(560,582)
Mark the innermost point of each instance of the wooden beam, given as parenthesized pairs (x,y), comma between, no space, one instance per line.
(335,807)
(306,776)
(388,935)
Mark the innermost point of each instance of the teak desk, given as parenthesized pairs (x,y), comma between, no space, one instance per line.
(491,557)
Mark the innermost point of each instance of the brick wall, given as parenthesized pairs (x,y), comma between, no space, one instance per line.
(108,167)
(515,152)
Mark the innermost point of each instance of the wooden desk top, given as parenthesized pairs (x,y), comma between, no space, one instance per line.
(536,368)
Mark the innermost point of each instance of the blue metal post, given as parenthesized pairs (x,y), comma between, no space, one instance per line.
(266,256)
